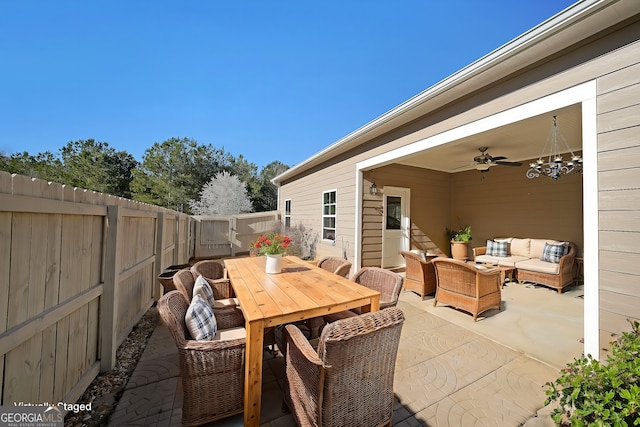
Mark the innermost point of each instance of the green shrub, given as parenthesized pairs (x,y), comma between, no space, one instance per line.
(590,393)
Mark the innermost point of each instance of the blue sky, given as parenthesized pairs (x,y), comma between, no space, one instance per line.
(271,80)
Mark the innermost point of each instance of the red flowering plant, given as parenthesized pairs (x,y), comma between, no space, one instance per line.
(271,244)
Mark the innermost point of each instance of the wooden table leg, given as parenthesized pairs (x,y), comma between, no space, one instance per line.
(253,373)
(375,303)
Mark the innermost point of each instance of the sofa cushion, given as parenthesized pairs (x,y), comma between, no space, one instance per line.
(502,261)
(538,266)
(511,261)
(553,252)
(230,334)
(520,247)
(487,259)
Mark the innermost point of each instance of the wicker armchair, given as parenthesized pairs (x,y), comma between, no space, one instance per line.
(212,372)
(420,276)
(349,380)
(215,274)
(338,266)
(184,281)
(388,283)
(464,286)
(335,265)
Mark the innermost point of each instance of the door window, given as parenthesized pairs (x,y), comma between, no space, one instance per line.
(394,213)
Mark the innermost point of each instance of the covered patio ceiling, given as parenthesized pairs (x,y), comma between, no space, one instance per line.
(519,142)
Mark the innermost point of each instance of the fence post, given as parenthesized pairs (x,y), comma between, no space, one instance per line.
(233,234)
(109,297)
(159,248)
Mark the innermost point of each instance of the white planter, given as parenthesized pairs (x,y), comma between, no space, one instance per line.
(274,264)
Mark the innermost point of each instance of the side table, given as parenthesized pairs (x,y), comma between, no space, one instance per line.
(580,271)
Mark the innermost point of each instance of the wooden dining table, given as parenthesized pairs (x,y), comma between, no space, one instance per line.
(301,291)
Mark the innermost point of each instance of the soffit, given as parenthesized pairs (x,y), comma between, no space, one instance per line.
(519,142)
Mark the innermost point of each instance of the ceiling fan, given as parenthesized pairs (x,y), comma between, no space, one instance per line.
(485,160)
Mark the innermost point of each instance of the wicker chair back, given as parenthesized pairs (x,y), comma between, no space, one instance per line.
(350,380)
(183,280)
(388,283)
(339,266)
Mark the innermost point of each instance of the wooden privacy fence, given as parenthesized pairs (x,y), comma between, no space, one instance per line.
(228,235)
(78,269)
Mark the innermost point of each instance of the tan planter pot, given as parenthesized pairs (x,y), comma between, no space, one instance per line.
(460,250)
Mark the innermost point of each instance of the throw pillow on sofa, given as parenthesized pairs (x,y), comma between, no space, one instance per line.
(553,252)
(497,248)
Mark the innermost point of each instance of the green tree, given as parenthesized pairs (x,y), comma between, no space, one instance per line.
(174,171)
(44,166)
(88,164)
(266,193)
(95,166)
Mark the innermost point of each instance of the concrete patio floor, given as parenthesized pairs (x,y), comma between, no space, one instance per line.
(450,370)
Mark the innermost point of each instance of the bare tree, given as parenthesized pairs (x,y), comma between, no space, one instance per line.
(225,194)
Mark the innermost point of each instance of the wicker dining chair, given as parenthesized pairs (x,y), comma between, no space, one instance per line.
(212,371)
(388,283)
(348,381)
(420,276)
(462,285)
(335,265)
(184,282)
(339,266)
(213,271)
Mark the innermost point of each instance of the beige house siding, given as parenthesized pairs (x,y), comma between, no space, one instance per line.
(503,201)
(619,195)
(306,205)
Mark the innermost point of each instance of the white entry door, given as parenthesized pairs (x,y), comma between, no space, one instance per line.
(395,225)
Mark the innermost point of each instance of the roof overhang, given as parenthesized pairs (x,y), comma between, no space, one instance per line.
(577,22)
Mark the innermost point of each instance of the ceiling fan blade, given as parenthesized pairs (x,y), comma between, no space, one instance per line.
(503,163)
(495,159)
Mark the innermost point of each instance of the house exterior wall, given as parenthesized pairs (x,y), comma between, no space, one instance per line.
(619,193)
(430,209)
(611,59)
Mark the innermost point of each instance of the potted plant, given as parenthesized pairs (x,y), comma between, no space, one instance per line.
(272,245)
(460,240)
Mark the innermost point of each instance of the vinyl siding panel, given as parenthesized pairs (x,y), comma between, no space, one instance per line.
(618,105)
(505,203)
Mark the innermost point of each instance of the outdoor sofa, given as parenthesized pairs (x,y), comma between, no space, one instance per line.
(542,261)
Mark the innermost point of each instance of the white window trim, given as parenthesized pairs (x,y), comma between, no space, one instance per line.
(287,214)
(335,216)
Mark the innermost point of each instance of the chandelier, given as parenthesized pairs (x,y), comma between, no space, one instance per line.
(555,166)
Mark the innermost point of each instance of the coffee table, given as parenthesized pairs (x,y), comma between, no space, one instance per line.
(505,272)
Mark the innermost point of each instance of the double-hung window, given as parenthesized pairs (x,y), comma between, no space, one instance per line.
(329,215)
